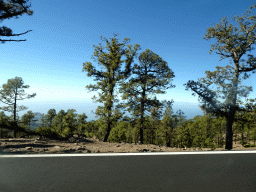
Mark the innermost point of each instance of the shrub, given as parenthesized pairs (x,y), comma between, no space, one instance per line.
(249,145)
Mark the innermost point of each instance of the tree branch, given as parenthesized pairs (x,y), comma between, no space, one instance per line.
(14,35)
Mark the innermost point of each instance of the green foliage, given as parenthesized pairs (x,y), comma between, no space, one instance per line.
(69,123)
(81,120)
(219,126)
(118,133)
(58,122)
(202,131)
(27,119)
(102,128)
(153,76)
(196,142)
(4,119)
(43,121)
(110,78)
(153,72)
(249,145)
(229,44)
(90,135)
(209,143)
(46,131)
(14,90)
(242,142)
(183,136)
(135,132)
(253,135)
(12,8)
(165,131)
(50,116)
(89,127)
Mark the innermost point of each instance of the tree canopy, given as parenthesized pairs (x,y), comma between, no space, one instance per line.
(13,91)
(109,79)
(152,75)
(229,44)
(9,9)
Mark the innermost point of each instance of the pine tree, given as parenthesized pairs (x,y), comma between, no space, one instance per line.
(236,45)
(58,121)
(27,118)
(153,72)
(10,91)
(12,8)
(50,116)
(110,78)
(81,121)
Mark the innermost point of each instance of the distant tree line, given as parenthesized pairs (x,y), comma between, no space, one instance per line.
(172,131)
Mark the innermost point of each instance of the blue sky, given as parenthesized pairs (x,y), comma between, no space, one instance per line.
(64,32)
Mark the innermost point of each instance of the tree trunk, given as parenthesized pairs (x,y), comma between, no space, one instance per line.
(248,134)
(242,134)
(15,133)
(141,136)
(168,144)
(229,134)
(108,132)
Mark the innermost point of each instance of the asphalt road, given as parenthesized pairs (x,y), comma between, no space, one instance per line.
(155,171)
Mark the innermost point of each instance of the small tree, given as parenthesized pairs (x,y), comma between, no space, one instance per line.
(50,116)
(81,121)
(58,121)
(11,91)
(69,122)
(3,119)
(27,119)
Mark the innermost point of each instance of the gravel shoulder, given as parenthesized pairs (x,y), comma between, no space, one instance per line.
(89,145)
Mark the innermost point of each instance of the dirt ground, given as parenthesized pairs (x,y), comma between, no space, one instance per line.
(81,144)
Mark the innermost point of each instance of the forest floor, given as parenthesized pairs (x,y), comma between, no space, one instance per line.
(79,143)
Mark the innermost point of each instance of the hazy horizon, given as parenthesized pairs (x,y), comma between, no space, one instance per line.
(51,60)
(189,109)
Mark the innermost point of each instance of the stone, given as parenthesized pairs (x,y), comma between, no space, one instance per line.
(77,138)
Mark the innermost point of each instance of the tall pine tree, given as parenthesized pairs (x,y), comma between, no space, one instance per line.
(152,75)
(14,90)
(110,77)
(234,46)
